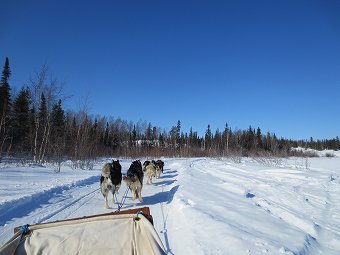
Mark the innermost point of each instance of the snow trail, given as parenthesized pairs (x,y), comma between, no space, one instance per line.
(19,207)
(203,206)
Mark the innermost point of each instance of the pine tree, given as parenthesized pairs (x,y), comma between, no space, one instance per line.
(259,138)
(71,133)
(32,129)
(58,134)
(172,138)
(43,110)
(6,134)
(217,140)
(248,139)
(154,134)
(208,138)
(148,133)
(161,140)
(107,135)
(94,130)
(191,138)
(58,120)
(5,90)
(178,135)
(21,121)
(134,136)
(225,138)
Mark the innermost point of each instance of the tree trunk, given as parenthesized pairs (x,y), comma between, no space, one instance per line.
(46,141)
(35,146)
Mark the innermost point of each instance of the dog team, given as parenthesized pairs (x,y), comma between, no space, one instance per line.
(111,177)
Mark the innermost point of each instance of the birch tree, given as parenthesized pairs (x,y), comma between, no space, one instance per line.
(45,93)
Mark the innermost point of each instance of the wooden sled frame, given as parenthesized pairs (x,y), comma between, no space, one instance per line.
(144,210)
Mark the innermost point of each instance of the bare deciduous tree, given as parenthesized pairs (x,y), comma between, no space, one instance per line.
(50,89)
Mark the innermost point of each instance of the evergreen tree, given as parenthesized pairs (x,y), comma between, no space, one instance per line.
(196,140)
(248,139)
(259,138)
(182,140)
(173,137)
(58,134)
(107,135)
(161,140)
(21,121)
(58,120)
(148,133)
(226,138)
(32,129)
(5,90)
(178,136)
(154,133)
(71,134)
(191,138)
(251,138)
(217,140)
(134,136)
(268,142)
(94,130)
(208,138)
(6,134)
(43,110)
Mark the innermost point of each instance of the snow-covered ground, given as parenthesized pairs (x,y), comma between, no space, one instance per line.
(199,205)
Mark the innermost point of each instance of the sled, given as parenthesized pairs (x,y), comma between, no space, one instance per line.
(124,232)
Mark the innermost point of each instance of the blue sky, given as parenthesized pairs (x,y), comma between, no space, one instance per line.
(272,64)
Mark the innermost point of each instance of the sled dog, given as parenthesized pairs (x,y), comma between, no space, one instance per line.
(134,180)
(158,167)
(158,171)
(110,180)
(145,164)
(150,172)
(160,164)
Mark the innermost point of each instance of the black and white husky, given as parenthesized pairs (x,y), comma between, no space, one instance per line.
(110,180)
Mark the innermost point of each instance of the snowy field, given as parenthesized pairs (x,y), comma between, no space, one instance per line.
(199,205)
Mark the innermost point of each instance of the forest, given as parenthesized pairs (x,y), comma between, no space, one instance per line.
(35,127)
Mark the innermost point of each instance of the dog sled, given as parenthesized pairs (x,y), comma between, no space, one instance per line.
(124,232)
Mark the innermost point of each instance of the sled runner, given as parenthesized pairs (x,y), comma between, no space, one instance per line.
(125,232)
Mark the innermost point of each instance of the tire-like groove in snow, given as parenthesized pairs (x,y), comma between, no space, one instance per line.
(23,206)
(50,215)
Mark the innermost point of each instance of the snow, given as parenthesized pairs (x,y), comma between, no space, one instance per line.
(199,205)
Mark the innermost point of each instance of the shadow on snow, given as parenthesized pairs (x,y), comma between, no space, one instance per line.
(161,197)
(164,183)
(169,171)
(169,175)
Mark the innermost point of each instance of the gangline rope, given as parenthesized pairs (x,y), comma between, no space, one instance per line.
(120,205)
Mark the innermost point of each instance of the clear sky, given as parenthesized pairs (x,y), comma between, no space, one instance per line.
(273,64)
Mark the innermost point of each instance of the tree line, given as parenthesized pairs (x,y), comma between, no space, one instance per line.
(34,125)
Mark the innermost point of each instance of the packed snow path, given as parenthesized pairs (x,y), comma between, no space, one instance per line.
(200,206)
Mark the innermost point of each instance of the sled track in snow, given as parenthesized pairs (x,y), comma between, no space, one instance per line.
(23,206)
(88,197)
